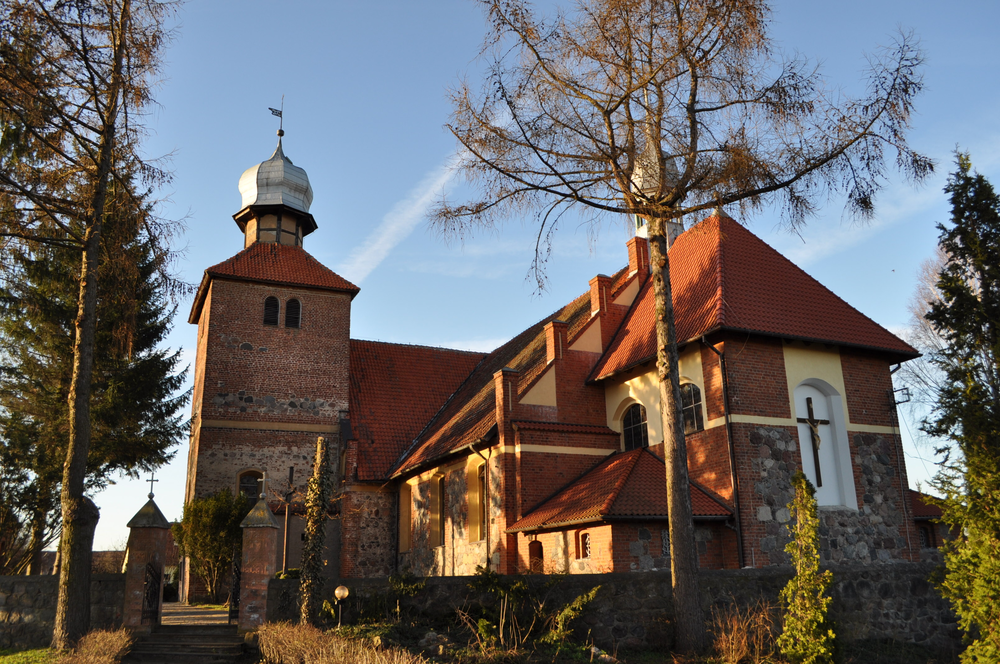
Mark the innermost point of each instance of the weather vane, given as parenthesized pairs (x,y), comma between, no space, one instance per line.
(278,112)
(152,474)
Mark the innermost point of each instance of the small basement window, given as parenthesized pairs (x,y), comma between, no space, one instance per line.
(271,309)
(293,313)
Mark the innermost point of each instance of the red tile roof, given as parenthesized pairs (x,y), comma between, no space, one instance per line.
(623,486)
(273,264)
(395,390)
(922,508)
(725,277)
(471,412)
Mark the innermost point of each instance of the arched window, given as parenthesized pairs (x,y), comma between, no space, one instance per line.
(691,408)
(249,483)
(823,446)
(634,427)
(536,561)
(271,308)
(583,546)
(293,313)
(438,503)
(481,486)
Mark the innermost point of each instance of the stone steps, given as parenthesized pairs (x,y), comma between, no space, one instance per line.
(188,644)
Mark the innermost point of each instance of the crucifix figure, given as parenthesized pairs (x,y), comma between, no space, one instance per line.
(151,480)
(814,436)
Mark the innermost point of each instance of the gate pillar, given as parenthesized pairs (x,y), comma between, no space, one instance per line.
(149,540)
(259,564)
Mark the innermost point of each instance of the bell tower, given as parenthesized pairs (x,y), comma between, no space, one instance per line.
(273,359)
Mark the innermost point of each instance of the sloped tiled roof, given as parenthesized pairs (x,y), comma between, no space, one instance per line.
(725,277)
(922,508)
(631,485)
(271,263)
(470,413)
(395,390)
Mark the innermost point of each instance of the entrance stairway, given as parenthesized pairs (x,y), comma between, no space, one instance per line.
(187,644)
(189,635)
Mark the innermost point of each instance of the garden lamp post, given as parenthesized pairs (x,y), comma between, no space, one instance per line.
(340,593)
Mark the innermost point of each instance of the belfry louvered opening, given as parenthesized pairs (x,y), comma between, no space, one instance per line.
(271,308)
(293,313)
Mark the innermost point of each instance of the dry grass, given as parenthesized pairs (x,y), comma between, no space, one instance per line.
(285,643)
(744,634)
(100,647)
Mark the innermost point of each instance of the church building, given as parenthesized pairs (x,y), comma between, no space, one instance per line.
(546,454)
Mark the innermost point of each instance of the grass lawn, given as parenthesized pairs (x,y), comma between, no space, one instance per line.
(36,656)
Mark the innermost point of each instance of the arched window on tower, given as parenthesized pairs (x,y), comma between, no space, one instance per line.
(691,408)
(271,308)
(634,430)
(293,313)
(249,483)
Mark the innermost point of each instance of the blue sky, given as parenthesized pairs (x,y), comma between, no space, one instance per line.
(365,88)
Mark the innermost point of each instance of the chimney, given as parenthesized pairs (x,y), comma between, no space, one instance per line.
(600,287)
(505,383)
(555,338)
(638,258)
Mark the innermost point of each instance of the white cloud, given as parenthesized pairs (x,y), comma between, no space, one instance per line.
(397,224)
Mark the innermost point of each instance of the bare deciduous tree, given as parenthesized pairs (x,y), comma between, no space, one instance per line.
(74,78)
(661,109)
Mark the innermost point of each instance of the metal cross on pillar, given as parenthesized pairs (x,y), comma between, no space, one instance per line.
(814,436)
(263,480)
(151,480)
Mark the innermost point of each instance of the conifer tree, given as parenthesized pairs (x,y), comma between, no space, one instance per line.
(135,406)
(966,316)
(805,637)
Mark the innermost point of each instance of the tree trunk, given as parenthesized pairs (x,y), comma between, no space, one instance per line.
(73,606)
(317,503)
(79,514)
(688,619)
(39,519)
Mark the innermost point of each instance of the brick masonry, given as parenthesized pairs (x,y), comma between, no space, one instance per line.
(28,607)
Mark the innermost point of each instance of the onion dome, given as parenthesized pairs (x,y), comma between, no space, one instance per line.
(276,181)
(276,199)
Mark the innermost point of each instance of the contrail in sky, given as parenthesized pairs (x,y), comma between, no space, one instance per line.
(397,224)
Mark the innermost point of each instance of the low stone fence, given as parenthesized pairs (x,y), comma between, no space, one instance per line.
(631,611)
(28,607)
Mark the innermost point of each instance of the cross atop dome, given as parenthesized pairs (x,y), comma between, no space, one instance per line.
(276,198)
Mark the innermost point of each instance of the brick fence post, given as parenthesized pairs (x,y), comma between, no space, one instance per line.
(259,564)
(149,540)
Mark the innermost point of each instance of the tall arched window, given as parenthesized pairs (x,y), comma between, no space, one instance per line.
(823,445)
(271,308)
(691,408)
(249,483)
(293,313)
(634,429)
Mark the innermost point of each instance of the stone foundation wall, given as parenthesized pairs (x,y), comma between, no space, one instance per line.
(631,611)
(28,607)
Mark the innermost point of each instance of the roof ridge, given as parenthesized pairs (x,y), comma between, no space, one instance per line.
(394,343)
(613,496)
(720,279)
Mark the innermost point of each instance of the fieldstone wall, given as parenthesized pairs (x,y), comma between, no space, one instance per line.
(631,611)
(28,607)
(458,556)
(369,518)
(876,533)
